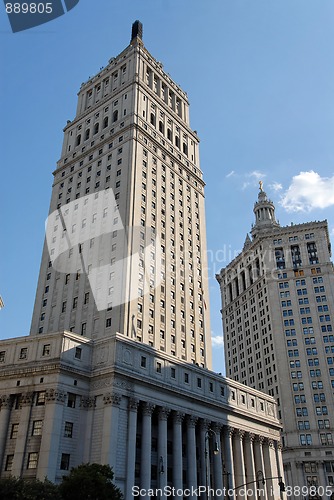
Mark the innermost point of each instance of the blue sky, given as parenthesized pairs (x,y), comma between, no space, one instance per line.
(260,79)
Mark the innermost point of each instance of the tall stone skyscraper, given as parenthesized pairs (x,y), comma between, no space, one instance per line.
(127,222)
(278,316)
(115,370)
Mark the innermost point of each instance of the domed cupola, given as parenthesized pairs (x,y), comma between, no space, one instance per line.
(264,211)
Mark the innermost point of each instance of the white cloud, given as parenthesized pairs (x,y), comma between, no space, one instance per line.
(308,191)
(257,174)
(276,186)
(218,341)
(230,174)
(252,179)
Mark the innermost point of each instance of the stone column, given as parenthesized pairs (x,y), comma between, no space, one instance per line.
(239,463)
(279,462)
(177,450)
(271,471)
(22,435)
(259,467)
(52,430)
(146,446)
(131,447)
(250,466)
(322,475)
(110,429)
(5,409)
(228,457)
(300,474)
(162,448)
(287,474)
(204,456)
(86,429)
(191,454)
(217,460)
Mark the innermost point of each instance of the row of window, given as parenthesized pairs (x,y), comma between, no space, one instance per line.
(32,461)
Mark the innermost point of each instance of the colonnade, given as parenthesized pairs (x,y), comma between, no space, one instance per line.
(225,461)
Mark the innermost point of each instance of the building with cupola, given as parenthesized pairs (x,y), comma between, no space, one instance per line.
(278,317)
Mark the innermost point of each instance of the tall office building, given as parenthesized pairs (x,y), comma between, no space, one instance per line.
(278,313)
(115,369)
(127,222)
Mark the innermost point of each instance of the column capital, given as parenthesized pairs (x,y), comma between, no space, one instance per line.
(217,427)
(27,398)
(279,445)
(250,436)
(87,402)
(270,442)
(6,402)
(148,408)
(191,420)
(229,430)
(240,433)
(54,395)
(112,398)
(163,413)
(260,439)
(204,424)
(178,417)
(133,404)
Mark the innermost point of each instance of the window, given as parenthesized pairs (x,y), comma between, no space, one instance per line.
(71,398)
(158,367)
(32,460)
(9,462)
(143,362)
(40,398)
(78,352)
(75,302)
(14,431)
(46,350)
(37,427)
(2,356)
(65,461)
(23,353)
(186,378)
(68,430)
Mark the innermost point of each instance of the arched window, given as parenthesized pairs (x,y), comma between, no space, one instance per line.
(115,116)
(78,139)
(87,134)
(96,128)
(161,127)
(105,122)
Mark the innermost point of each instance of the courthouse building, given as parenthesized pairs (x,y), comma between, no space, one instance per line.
(116,368)
(278,312)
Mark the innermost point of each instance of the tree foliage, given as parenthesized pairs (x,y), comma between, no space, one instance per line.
(90,482)
(14,488)
(85,482)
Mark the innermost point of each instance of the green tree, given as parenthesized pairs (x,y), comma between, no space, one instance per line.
(90,482)
(13,488)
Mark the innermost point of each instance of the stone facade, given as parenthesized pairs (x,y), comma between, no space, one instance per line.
(155,420)
(278,308)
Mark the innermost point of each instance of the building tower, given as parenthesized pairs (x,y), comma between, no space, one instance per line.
(126,230)
(115,369)
(277,309)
